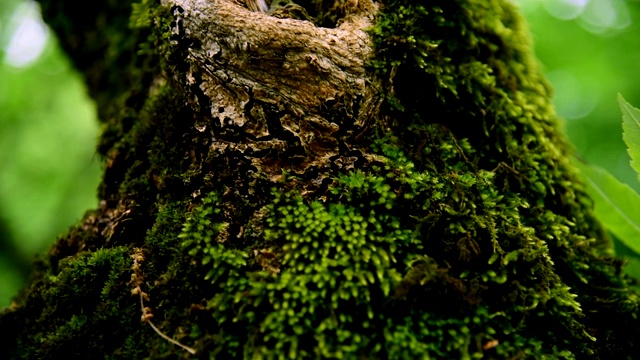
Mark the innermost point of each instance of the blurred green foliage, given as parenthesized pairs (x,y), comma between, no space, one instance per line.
(589,50)
(616,204)
(48,133)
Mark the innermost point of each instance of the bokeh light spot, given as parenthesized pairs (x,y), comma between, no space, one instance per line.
(565,9)
(29,36)
(573,99)
(600,16)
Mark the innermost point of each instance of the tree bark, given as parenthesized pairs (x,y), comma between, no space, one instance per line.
(385,181)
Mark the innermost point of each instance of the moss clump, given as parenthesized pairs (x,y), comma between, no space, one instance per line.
(393,264)
(467,236)
(81,294)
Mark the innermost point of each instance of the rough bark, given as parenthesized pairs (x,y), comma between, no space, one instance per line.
(245,67)
(387,181)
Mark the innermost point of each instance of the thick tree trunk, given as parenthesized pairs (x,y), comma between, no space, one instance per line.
(384,181)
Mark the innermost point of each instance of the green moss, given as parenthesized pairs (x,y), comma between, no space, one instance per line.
(85,294)
(403,252)
(142,13)
(473,228)
(469,237)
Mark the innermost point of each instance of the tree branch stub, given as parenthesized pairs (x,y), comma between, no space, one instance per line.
(250,67)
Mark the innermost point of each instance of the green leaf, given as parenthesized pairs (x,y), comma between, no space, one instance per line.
(631,132)
(632,259)
(616,204)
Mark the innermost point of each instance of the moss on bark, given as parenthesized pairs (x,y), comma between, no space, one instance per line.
(420,205)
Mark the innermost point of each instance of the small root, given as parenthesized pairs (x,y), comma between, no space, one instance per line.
(137,279)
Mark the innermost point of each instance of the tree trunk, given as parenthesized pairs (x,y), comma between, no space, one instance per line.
(376,181)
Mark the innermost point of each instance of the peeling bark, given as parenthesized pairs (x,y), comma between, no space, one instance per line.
(292,95)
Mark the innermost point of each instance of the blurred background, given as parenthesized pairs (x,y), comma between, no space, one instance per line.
(49,172)
(589,50)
